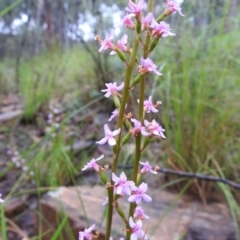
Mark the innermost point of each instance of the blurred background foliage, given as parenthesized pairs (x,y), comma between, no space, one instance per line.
(48,50)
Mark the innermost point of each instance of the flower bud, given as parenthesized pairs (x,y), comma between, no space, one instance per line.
(121,55)
(115,148)
(138,179)
(146,142)
(116,101)
(139,26)
(125,139)
(153,44)
(137,79)
(103,177)
(121,213)
(127,124)
(162,16)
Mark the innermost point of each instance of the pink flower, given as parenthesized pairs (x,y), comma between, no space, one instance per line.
(139,194)
(136,229)
(121,44)
(87,233)
(147,168)
(148,105)
(93,164)
(1,200)
(126,21)
(174,7)
(154,128)
(122,185)
(105,202)
(138,128)
(139,214)
(109,136)
(136,8)
(112,89)
(115,113)
(106,44)
(147,20)
(147,66)
(161,29)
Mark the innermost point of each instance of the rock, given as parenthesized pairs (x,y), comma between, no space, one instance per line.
(80,145)
(13,206)
(10,115)
(27,222)
(171,217)
(54,209)
(202,229)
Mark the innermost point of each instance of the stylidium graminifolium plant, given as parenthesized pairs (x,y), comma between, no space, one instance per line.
(147,31)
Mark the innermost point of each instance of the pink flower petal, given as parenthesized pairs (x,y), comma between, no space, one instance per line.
(112,141)
(102,141)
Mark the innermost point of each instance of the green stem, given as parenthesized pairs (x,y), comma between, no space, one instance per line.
(162,16)
(137,145)
(140,118)
(120,125)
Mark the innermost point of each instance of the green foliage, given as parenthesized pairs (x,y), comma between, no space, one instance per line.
(7,77)
(199,91)
(51,75)
(52,163)
(9,7)
(3,230)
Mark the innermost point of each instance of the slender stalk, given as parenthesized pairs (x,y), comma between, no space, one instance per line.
(140,117)
(137,145)
(162,16)
(125,94)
